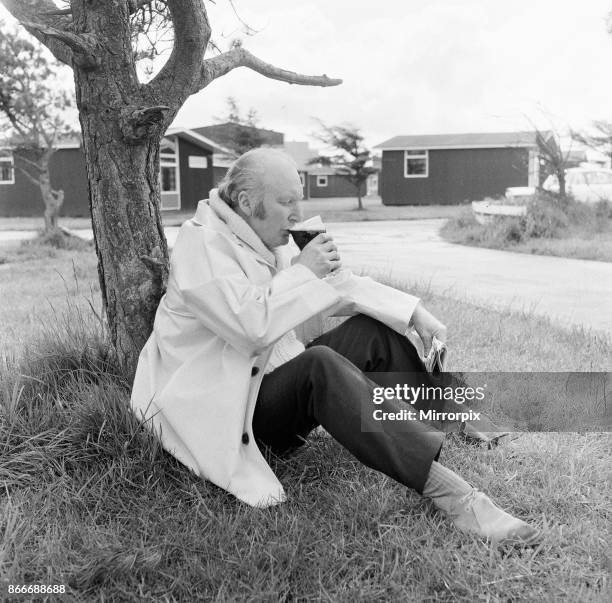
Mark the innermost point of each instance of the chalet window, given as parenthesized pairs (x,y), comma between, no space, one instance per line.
(416,164)
(198,162)
(7,169)
(168,179)
(169,176)
(321,180)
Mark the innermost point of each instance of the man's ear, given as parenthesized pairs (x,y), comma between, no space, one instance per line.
(244,203)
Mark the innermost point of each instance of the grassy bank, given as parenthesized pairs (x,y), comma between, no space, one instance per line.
(91,501)
(571,230)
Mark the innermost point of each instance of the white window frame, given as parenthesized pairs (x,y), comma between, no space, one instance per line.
(194,160)
(10,159)
(170,160)
(422,154)
(302,180)
(322,181)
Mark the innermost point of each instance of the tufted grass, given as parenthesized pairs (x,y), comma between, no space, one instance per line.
(88,499)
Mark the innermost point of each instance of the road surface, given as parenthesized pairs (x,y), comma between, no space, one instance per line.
(570,292)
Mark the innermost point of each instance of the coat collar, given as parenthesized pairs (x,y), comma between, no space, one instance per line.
(239,227)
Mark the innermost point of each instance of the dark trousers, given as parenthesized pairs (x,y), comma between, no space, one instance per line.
(325,385)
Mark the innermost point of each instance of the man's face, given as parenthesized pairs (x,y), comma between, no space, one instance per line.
(281,204)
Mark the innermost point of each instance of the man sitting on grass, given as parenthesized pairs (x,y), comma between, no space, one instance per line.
(223,372)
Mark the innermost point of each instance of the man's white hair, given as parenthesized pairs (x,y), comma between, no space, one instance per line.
(246,174)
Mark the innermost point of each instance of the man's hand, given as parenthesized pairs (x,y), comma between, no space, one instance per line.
(427,325)
(320,255)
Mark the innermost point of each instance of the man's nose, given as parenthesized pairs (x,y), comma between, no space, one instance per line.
(296,214)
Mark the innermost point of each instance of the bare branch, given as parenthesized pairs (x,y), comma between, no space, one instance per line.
(27,12)
(84,45)
(135,5)
(218,66)
(31,163)
(57,12)
(177,78)
(27,174)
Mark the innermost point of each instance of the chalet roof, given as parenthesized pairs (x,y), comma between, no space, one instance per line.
(199,140)
(473,140)
(316,170)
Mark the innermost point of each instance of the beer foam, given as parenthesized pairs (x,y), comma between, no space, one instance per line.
(314,223)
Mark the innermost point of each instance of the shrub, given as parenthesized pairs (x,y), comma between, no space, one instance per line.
(508,230)
(59,239)
(545,219)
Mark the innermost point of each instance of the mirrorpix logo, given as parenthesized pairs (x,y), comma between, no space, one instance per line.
(412,395)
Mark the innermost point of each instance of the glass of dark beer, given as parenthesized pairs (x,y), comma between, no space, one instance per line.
(306,231)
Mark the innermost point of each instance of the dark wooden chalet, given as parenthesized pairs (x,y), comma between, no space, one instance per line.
(190,165)
(456,168)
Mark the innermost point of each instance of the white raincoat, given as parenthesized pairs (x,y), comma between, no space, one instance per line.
(228,300)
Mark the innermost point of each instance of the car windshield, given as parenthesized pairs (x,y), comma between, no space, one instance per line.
(576,179)
(599,178)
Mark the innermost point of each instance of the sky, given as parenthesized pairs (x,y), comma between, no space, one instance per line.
(416,67)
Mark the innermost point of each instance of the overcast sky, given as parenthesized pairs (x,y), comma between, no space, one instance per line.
(417,67)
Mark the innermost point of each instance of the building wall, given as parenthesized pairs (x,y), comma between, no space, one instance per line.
(218,173)
(455,176)
(195,183)
(68,172)
(337,186)
(67,169)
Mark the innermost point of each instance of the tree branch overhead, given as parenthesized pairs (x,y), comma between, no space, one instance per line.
(83,46)
(218,66)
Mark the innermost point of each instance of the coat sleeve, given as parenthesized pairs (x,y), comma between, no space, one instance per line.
(216,289)
(364,295)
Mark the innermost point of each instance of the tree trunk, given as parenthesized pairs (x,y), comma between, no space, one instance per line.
(52,199)
(124,201)
(562,191)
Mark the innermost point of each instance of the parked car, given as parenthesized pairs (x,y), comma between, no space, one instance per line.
(588,185)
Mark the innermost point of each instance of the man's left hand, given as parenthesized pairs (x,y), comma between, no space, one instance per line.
(427,326)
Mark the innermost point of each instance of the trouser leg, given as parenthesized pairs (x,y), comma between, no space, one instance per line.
(375,348)
(321,387)
(372,346)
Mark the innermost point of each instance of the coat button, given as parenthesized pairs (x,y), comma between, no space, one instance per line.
(245,438)
(254,371)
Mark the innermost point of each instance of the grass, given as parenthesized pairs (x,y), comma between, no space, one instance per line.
(340,209)
(90,500)
(575,231)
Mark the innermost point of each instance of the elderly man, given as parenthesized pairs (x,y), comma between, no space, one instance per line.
(223,372)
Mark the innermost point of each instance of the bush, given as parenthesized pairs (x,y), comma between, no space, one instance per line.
(545,219)
(60,239)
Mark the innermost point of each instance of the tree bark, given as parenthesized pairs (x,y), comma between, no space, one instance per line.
(121,146)
(561,177)
(128,232)
(52,199)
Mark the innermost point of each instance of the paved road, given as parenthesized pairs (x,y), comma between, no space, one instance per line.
(572,292)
